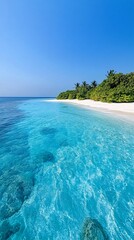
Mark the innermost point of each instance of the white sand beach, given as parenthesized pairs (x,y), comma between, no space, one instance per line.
(119,107)
(124,109)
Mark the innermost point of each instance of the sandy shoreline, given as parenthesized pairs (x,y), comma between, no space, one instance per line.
(122,109)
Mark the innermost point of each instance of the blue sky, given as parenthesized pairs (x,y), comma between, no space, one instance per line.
(46,46)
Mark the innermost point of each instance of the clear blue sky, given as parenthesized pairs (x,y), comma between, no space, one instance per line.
(48,45)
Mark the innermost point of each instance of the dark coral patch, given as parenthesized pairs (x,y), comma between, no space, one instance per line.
(48,157)
(16,190)
(45,157)
(64,106)
(48,130)
(63,143)
(6,230)
(92,230)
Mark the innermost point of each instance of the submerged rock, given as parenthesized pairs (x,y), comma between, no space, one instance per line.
(48,130)
(7,230)
(92,230)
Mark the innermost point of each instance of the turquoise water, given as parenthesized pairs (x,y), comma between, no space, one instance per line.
(61,164)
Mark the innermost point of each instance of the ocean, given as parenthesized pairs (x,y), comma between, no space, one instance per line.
(66,172)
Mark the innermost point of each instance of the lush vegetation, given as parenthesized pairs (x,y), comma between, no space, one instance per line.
(81,91)
(117,87)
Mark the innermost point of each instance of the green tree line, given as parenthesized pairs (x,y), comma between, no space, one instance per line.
(117,87)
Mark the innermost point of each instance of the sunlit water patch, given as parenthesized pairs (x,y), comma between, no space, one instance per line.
(65,172)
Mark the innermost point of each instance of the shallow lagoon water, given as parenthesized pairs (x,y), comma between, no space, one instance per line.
(61,165)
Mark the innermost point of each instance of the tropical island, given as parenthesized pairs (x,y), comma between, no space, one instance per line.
(116,88)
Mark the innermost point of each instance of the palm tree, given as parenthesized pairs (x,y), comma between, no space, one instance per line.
(77,85)
(110,73)
(94,84)
(84,84)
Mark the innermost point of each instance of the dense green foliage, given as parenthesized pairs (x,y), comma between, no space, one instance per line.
(80,91)
(69,94)
(117,87)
